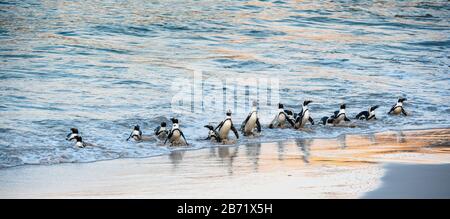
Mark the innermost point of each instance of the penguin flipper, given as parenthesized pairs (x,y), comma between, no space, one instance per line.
(220,125)
(245,122)
(311,120)
(404,112)
(168,137)
(392,109)
(258,125)
(235,131)
(157,130)
(131,135)
(346,119)
(183,137)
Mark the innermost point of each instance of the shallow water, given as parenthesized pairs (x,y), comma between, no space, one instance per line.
(104,66)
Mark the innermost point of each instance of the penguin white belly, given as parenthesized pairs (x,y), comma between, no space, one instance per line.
(225,129)
(339,119)
(251,124)
(305,119)
(79,144)
(176,135)
(397,110)
(281,119)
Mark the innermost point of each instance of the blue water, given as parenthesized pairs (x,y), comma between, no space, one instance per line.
(104,66)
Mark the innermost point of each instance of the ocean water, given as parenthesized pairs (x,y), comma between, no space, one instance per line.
(104,66)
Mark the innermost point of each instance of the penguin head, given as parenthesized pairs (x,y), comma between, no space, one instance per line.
(136,127)
(174,121)
(306,102)
(343,106)
(78,138)
(400,100)
(163,124)
(373,108)
(210,127)
(280,106)
(74,130)
(228,112)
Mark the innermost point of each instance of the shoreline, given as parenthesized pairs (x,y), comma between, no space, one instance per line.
(348,166)
(226,145)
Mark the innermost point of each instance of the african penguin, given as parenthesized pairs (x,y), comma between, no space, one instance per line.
(304,116)
(225,126)
(161,132)
(71,136)
(340,116)
(136,134)
(327,120)
(212,134)
(281,118)
(398,107)
(367,115)
(176,136)
(251,122)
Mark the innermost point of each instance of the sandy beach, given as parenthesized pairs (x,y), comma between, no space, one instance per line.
(350,166)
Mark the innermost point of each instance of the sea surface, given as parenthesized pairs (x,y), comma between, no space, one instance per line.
(105,66)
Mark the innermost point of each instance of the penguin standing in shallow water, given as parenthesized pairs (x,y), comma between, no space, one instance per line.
(398,108)
(176,136)
(367,115)
(304,116)
(280,119)
(161,132)
(212,134)
(80,143)
(225,126)
(340,116)
(251,122)
(71,136)
(136,134)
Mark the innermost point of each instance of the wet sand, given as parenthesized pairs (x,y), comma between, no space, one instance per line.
(350,166)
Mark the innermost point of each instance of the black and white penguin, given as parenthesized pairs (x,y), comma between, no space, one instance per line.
(251,122)
(280,119)
(327,120)
(80,143)
(161,132)
(304,116)
(176,136)
(398,108)
(71,136)
(136,134)
(213,135)
(340,116)
(367,115)
(225,126)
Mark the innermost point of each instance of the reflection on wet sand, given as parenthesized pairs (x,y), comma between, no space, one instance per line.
(345,167)
(343,150)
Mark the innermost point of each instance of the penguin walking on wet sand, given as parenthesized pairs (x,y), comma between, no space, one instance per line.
(225,126)
(71,136)
(280,119)
(398,108)
(136,134)
(176,136)
(213,135)
(304,116)
(367,115)
(161,132)
(340,116)
(251,122)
